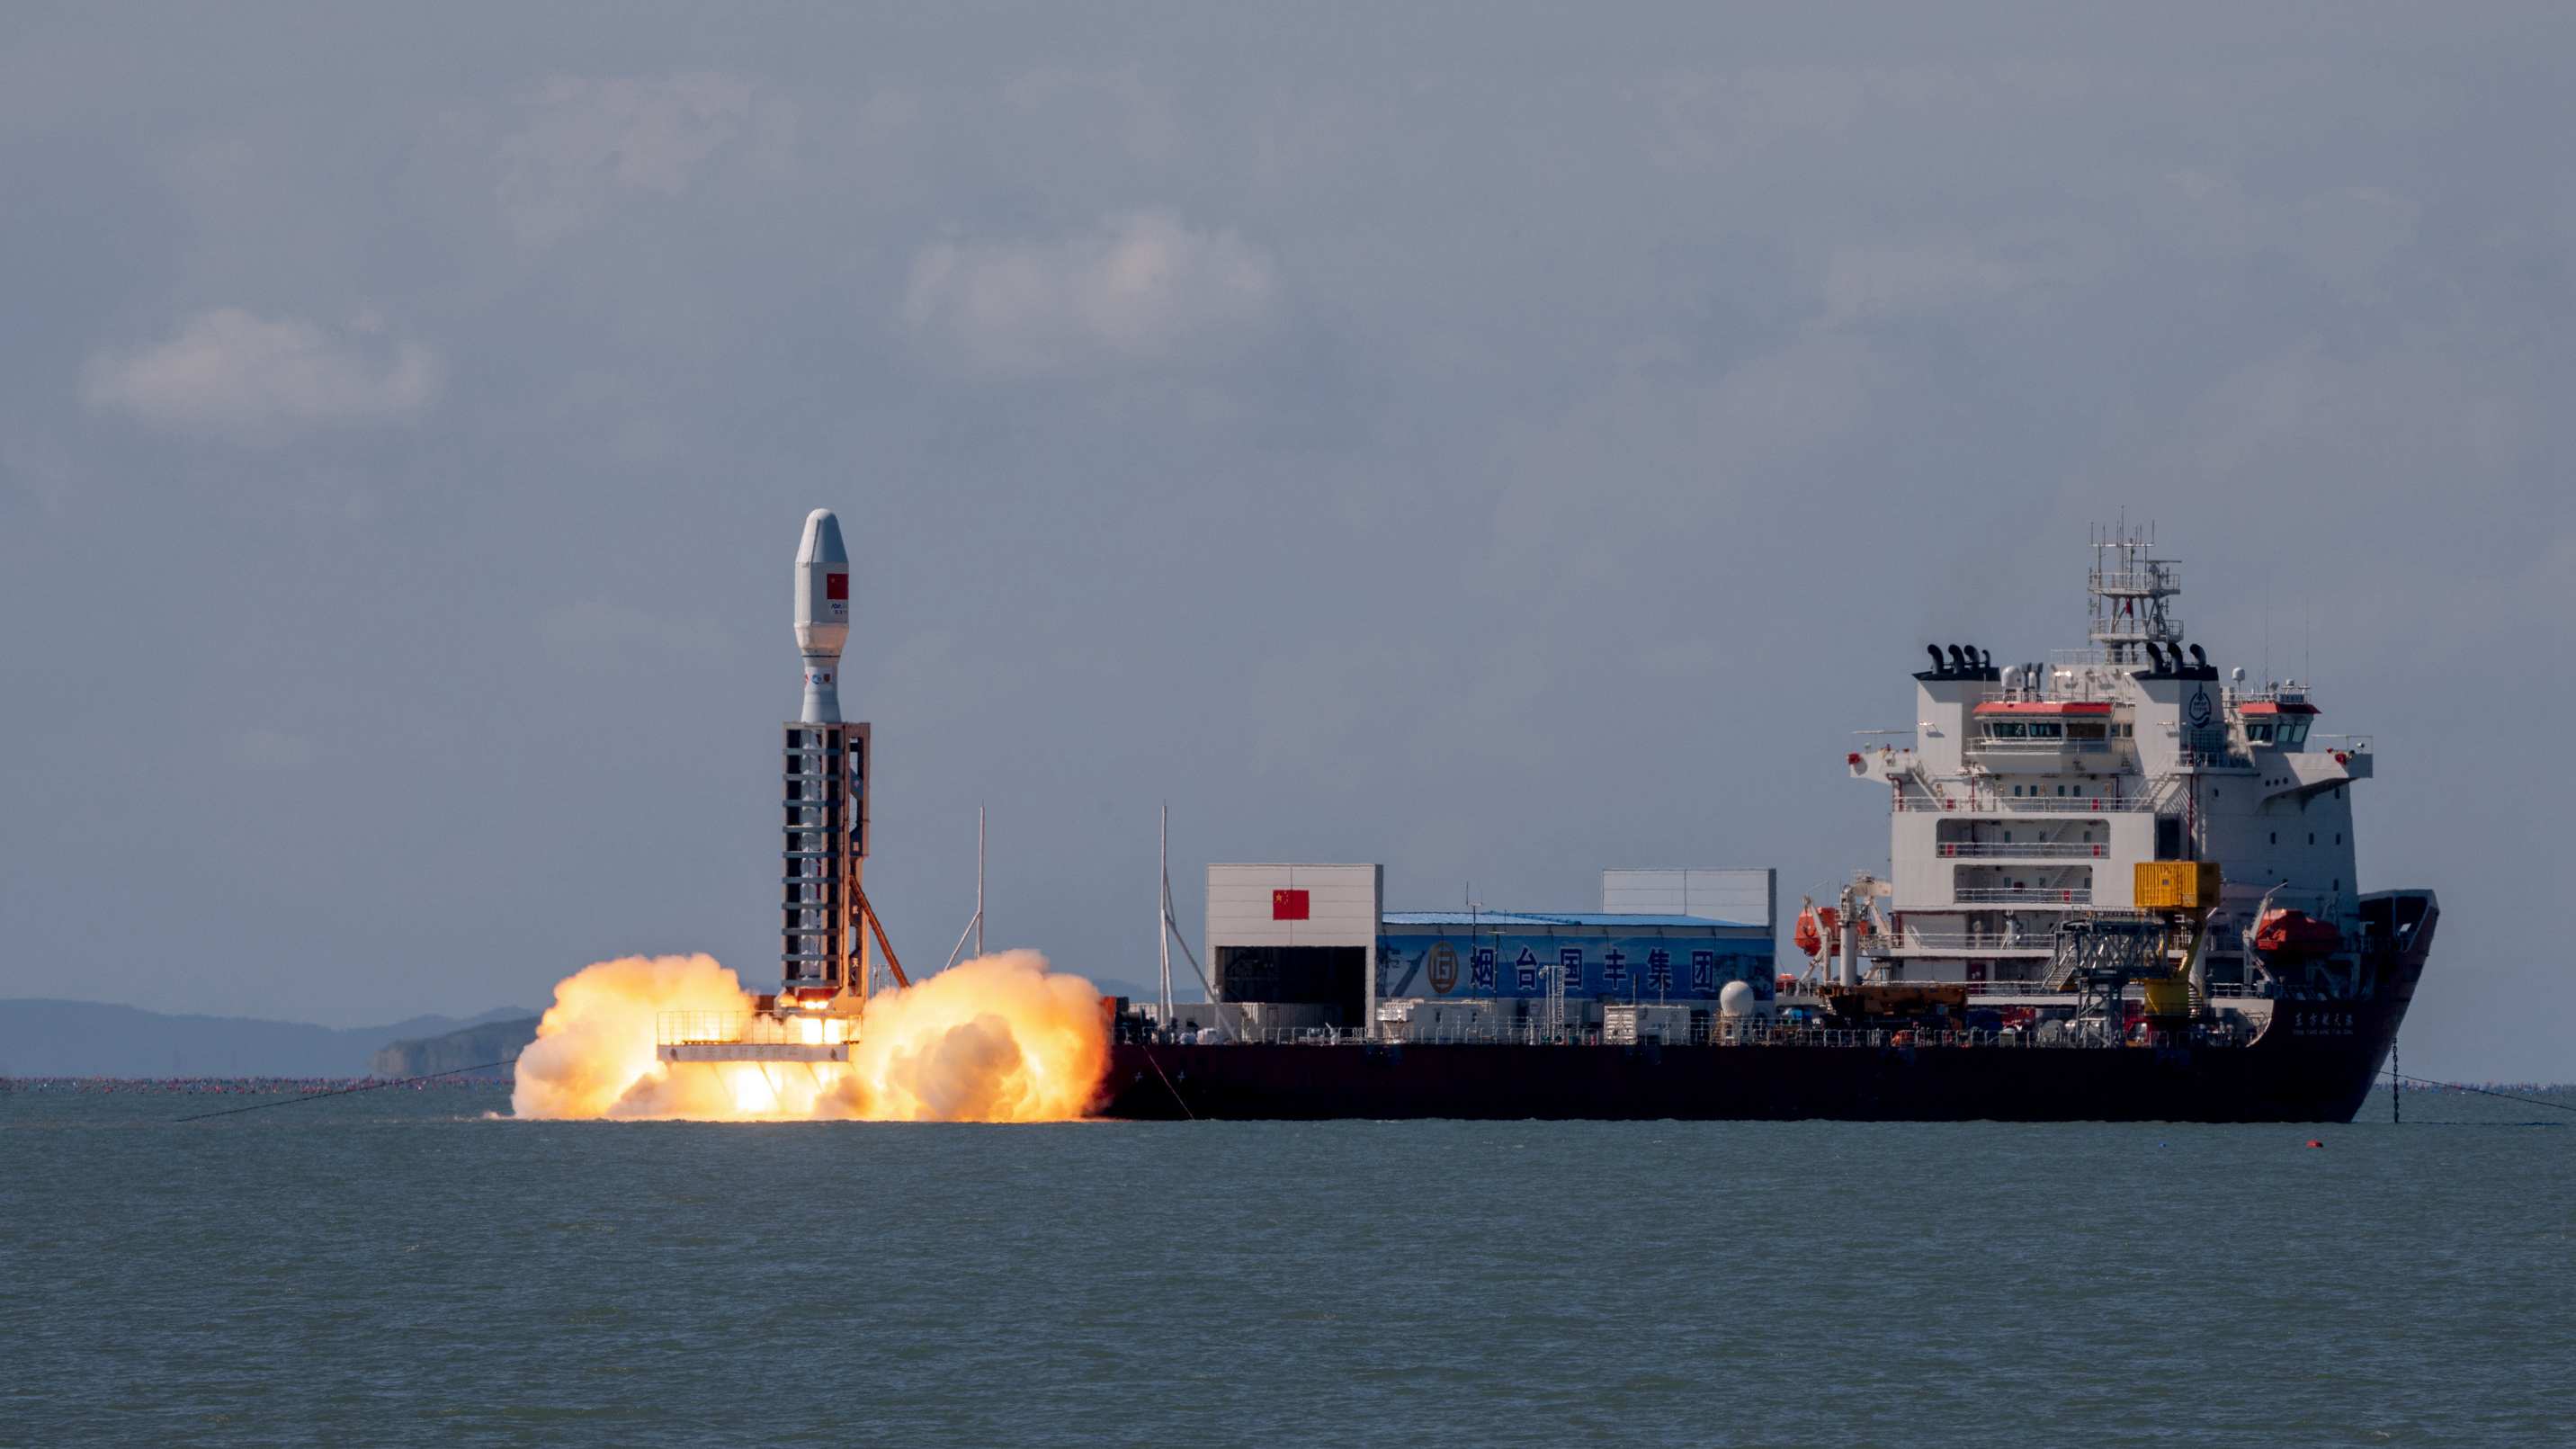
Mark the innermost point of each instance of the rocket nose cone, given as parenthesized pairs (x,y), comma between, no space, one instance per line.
(822,541)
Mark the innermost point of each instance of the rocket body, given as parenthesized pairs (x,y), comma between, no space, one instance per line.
(822,614)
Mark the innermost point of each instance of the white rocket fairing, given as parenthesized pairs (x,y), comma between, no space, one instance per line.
(822,614)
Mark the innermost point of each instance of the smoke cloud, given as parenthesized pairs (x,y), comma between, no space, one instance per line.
(996,1039)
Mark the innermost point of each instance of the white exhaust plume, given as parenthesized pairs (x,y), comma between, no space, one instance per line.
(996,1039)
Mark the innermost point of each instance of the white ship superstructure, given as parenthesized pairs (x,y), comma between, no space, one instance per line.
(2032,791)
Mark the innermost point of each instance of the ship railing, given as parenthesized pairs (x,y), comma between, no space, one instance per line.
(1965,941)
(2048,1036)
(2033,850)
(1981,745)
(2082,683)
(2212,760)
(2023,896)
(2229,991)
(1981,802)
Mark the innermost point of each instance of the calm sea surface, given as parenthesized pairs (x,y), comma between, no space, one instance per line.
(398,1268)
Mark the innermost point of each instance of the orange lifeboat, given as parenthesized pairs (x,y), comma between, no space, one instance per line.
(1813,928)
(1820,930)
(2295,935)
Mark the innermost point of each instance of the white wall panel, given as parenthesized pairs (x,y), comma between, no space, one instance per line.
(1722,895)
(1343,905)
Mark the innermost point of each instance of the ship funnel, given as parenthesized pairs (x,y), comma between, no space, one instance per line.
(1935,651)
(2199,658)
(1958,660)
(1985,659)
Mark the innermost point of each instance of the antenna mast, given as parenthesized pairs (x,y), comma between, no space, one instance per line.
(1163,914)
(2129,590)
(974,924)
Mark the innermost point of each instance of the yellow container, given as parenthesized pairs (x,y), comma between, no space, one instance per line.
(2168,996)
(2177,885)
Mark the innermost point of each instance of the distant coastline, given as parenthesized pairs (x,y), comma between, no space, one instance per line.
(49,1038)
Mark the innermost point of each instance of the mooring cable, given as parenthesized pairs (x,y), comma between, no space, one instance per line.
(1167,1081)
(346,1091)
(2481,1091)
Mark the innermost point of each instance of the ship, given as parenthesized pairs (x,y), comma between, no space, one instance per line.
(2119,887)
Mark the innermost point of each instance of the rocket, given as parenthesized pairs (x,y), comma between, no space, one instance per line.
(824,828)
(822,614)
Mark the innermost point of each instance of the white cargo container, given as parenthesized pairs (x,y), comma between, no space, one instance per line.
(1651,1023)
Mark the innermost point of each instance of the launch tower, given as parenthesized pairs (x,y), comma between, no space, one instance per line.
(825,922)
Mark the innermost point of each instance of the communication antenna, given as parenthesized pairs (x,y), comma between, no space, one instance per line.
(1168,929)
(974,923)
(1163,913)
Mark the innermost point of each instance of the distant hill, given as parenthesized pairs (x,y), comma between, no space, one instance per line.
(472,1046)
(46,1038)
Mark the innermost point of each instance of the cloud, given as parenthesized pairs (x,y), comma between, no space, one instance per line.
(1885,282)
(587,140)
(267,749)
(2346,234)
(233,374)
(40,468)
(596,627)
(1140,288)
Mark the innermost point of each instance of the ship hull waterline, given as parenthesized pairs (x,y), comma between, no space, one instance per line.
(2316,1062)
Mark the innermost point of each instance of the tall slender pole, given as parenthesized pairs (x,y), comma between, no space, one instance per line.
(1163,910)
(979,880)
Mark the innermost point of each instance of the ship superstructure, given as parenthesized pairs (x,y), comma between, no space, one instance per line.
(2032,791)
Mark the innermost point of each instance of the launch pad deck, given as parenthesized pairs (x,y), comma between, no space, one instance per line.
(753,1051)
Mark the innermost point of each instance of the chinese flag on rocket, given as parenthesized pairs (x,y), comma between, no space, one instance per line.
(836,586)
(1287,905)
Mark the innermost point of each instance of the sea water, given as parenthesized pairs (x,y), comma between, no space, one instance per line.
(407,1268)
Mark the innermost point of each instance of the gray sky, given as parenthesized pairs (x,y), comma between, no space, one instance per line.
(1497,443)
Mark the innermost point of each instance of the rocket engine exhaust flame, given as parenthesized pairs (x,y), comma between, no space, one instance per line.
(996,1039)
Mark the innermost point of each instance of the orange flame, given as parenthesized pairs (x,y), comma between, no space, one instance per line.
(997,1039)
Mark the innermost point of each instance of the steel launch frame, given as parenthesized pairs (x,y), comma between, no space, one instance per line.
(823,943)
